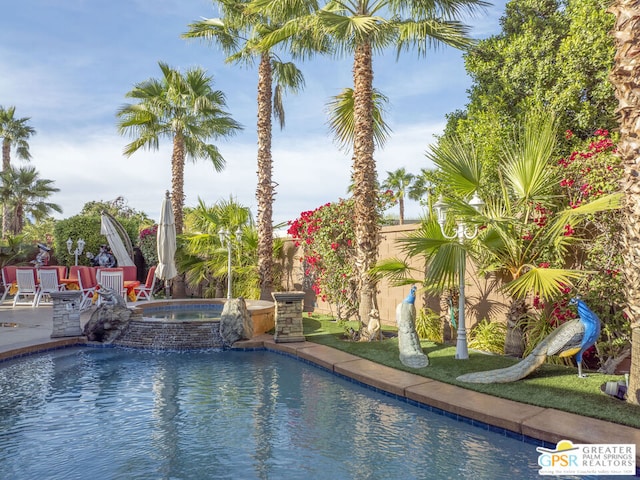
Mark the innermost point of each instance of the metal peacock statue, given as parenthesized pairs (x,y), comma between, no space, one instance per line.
(571,338)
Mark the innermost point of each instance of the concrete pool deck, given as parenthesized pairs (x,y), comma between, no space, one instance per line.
(26,330)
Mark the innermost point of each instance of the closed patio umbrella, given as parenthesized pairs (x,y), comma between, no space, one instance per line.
(166,242)
(109,229)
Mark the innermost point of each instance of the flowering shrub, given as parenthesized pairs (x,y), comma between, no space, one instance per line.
(326,236)
(148,244)
(592,170)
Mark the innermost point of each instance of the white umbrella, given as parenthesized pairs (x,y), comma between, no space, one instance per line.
(109,230)
(166,269)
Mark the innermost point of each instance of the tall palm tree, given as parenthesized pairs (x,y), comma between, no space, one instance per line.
(238,34)
(15,132)
(625,77)
(399,181)
(25,194)
(360,28)
(424,184)
(187,110)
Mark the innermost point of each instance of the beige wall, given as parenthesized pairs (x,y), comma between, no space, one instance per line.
(483,300)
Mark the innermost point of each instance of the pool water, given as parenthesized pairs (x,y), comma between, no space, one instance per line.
(109,413)
(180,313)
(185,315)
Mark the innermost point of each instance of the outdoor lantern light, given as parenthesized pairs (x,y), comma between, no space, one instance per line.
(441,210)
(461,233)
(225,240)
(79,248)
(476,202)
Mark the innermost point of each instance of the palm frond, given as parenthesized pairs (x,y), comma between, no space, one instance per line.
(340,110)
(432,33)
(397,271)
(544,282)
(459,163)
(526,167)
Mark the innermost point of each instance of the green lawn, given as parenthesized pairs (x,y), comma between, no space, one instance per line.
(551,386)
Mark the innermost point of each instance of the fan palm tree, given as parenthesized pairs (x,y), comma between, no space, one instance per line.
(25,194)
(359,28)
(424,184)
(15,132)
(625,77)
(515,243)
(187,110)
(399,181)
(238,34)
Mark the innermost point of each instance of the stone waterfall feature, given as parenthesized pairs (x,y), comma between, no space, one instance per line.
(110,320)
(235,322)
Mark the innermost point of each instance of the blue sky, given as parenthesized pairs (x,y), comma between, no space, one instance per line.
(68,64)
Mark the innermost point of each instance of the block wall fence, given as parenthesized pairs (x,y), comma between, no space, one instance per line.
(482,295)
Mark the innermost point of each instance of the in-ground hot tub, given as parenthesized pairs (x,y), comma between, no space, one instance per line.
(187,324)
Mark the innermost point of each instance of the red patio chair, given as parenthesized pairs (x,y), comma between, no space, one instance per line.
(146,290)
(8,279)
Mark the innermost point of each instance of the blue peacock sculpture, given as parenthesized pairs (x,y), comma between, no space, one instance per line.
(571,338)
(411,353)
(411,297)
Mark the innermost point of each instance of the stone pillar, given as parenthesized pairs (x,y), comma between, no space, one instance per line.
(66,313)
(288,317)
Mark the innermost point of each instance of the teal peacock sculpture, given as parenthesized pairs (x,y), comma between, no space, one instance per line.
(571,338)
(411,354)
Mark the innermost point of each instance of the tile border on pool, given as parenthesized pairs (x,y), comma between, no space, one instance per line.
(31,349)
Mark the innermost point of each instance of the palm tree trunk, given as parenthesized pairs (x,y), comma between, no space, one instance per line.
(365,191)
(6,154)
(177,197)
(401,204)
(17,220)
(625,77)
(264,191)
(6,164)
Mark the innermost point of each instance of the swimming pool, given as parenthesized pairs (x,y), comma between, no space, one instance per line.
(109,413)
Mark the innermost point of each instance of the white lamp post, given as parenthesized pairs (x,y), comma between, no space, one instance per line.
(225,240)
(79,248)
(462,233)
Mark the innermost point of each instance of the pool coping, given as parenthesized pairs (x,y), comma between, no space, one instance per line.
(537,425)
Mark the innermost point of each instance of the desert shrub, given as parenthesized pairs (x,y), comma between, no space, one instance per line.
(429,325)
(488,336)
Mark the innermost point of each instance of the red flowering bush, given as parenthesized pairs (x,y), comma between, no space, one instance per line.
(148,244)
(591,170)
(326,236)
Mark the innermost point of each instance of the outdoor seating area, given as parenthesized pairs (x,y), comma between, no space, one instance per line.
(33,286)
